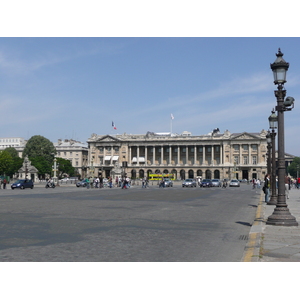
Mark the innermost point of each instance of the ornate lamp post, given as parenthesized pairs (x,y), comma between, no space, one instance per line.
(281,215)
(269,147)
(273,125)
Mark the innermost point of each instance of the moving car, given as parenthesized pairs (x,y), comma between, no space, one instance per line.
(206,183)
(189,183)
(168,183)
(82,183)
(234,182)
(216,182)
(22,184)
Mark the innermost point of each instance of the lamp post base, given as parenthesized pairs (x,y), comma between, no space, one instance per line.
(273,200)
(282,217)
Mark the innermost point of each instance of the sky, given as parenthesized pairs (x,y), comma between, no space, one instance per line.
(71,87)
(136,65)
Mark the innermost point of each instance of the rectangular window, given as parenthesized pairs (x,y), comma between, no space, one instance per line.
(245,160)
(245,147)
(236,147)
(254,160)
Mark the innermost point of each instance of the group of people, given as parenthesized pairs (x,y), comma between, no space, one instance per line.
(3,183)
(288,182)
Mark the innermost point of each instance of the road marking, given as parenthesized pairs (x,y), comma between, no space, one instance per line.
(254,236)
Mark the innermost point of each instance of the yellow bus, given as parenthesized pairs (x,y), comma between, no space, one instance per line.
(160,176)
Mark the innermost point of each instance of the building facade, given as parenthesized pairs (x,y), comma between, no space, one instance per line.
(227,155)
(74,151)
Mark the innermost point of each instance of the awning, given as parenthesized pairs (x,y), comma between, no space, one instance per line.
(141,159)
(107,157)
(115,157)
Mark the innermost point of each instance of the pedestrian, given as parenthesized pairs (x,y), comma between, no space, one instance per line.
(110,182)
(287,182)
(298,182)
(87,183)
(266,188)
(224,184)
(143,182)
(4,183)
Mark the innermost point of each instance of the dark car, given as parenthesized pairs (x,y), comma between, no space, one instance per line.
(22,184)
(206,183)
(82,183)
(189,183)
(216,182)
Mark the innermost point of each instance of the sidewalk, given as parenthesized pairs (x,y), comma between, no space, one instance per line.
(275,243)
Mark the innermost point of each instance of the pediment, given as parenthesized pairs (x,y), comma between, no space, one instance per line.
(245,136)
(108,138)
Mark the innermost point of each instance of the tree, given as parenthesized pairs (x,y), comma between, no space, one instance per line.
(40,152)
(65,167)
(5,162)
(292,168)
(16,161)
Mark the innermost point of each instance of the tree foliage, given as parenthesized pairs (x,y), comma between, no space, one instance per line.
(6,162)
(40,152)
(65,167)
(39,146)
(16,162)
(292,168)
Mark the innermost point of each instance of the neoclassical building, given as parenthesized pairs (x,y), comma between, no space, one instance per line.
(228,155)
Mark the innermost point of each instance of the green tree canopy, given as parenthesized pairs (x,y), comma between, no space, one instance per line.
(6,162)
(40,152)
(292,168)
(37,146)
(65,167)
(16,161)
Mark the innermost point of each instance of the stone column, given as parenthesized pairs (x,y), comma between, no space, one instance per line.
(146,155)
(153,155)
(195,155)
(161,155)
(203,154)
(212,155)
(178,155)
(170,155)
(137,155)
(186,154)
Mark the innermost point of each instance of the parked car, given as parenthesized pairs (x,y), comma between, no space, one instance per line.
(216,182)
(206,183)
(189,183)
(82,183)
(168,183)
(234,182)
(22,184)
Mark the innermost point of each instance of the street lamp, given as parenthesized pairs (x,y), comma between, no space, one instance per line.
(273,120)
(281,215)
(269,147)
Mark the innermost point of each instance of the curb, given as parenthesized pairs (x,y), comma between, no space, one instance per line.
(252,249)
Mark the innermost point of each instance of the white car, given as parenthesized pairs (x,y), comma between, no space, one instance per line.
(234,182)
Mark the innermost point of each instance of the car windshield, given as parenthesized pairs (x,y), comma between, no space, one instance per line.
(20,181)
(206,180)
(189,180)
(215,180)
(234,180)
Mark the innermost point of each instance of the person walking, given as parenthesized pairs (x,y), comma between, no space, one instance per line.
(287,182)
(267,186)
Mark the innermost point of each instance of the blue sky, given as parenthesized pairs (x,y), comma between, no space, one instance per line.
(73,87)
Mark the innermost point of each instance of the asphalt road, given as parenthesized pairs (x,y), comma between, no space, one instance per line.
(135,225)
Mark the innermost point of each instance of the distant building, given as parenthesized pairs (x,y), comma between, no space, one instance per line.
(74,151)
(16,142)
(215,155)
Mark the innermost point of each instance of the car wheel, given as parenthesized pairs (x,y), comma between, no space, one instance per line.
(12,188)
(22,187)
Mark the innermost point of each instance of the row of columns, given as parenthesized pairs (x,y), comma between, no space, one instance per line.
(212,156)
